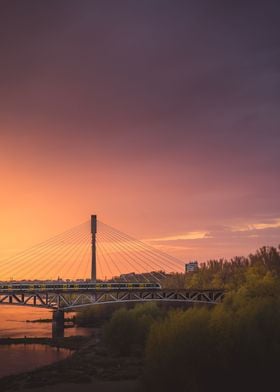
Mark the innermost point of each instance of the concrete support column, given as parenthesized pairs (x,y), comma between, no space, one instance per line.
(58,324)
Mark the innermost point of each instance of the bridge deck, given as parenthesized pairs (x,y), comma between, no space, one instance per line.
(71,299)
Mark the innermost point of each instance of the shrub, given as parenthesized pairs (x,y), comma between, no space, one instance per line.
(234,346)
(127,330)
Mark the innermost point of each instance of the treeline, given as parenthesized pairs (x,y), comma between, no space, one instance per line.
(95,316)
(232,346)
(228,274)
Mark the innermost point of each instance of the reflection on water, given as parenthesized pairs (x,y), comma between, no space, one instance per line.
(13,323)
(20,357)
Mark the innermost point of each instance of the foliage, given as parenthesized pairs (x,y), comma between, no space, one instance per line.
(228,274)
(233,346)
(94,316)
(127,330)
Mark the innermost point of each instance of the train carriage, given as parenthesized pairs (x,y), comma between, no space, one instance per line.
(74,286)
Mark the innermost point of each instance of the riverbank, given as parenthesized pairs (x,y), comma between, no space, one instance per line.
(94,385)
(70,343)
(49,320)
(91,365)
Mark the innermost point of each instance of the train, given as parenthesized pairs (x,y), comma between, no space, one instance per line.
(74,286)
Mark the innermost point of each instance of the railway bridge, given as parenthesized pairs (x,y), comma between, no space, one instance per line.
(50,274)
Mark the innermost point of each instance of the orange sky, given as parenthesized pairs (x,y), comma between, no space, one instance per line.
(44,193)
(164,124)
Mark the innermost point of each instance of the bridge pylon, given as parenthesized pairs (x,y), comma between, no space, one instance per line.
(93,247)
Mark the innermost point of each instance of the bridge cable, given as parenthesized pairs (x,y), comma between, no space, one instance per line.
(83,258)
(41,249)
(147,248)
(145,245)
(112,260)
(52,253)
(139,258)
(128,240)
(118,246)
(107,264)
(70,252)
(85,239)
(39,245)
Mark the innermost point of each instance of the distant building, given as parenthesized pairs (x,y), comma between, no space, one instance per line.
(192,266)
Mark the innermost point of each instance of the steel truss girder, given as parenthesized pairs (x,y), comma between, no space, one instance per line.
(67,301)
(28,299)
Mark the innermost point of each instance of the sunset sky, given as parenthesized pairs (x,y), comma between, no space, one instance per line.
(162,117)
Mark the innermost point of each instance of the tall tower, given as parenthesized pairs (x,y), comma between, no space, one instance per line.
(93,247)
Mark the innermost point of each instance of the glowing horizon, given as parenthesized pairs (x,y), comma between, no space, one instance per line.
(164,127)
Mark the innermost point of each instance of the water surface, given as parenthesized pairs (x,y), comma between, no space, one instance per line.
(13,323)
(17,358)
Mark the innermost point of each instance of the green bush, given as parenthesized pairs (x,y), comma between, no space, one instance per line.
(230,274)
(94,316)
(232,347)
(127,330)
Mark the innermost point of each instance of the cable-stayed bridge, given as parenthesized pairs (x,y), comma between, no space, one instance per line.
(83,252)
(90,264)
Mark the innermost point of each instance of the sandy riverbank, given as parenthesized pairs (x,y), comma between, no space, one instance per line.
(94,385)
(90,368)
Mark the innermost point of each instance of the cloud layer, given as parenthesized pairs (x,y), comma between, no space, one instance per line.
(162,117)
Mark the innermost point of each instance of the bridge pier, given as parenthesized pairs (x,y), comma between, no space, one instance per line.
(58,324)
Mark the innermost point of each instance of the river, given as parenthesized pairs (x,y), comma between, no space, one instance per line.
(19,358)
